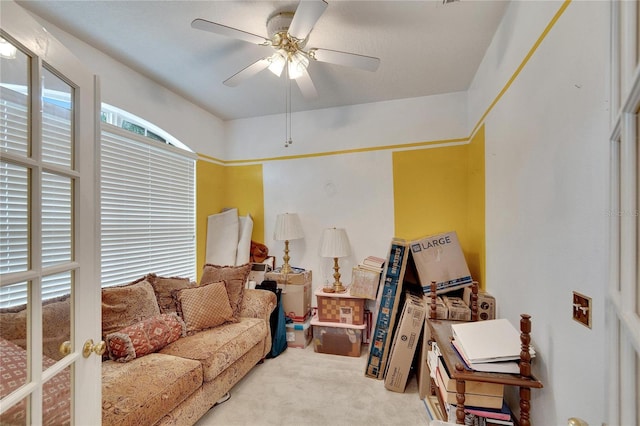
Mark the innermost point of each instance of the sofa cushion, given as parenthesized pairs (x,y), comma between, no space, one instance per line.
(145,337)
(219,347)
(56,323)
(204,306)
(234,276)
(142,391)
(56,392)
(125,305)
(164,287)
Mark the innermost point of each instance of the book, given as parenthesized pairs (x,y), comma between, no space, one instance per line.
(477,400)
(471,387)
(502,413)
(488,341)
(376,262)
(511,367)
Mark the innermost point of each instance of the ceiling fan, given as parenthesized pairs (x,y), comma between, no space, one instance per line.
(287,35)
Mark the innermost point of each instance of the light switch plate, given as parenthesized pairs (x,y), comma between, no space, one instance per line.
(582,309)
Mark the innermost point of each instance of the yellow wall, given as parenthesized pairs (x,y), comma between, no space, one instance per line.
(442,189)
(219,186)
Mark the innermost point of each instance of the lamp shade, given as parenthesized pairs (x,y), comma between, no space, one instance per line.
(335,243)
(288,227)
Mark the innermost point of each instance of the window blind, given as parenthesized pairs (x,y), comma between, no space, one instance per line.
(147,208)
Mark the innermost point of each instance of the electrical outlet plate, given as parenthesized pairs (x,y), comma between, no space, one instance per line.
(582,309)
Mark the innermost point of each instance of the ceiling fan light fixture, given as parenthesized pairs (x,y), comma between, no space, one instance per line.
(298,63)
(277,61)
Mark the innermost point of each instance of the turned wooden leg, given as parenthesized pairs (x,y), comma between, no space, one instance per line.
(474,301)
(525,406)
(460,389)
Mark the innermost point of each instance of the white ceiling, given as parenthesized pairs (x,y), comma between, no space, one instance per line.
(425,48)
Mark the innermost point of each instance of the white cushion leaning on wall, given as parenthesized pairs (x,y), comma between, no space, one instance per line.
(228,238)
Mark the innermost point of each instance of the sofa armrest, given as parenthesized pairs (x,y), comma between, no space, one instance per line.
(258,304)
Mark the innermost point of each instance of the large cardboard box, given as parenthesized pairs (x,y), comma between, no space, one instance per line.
(440,258)
(296,294)
(340,307)
(299,334)
(442,312)
(336,338)
(405,343)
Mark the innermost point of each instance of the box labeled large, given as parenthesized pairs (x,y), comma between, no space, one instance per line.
(340,307)
(299,334)
(296,294)
(405,343)
(336,338)
(440,258)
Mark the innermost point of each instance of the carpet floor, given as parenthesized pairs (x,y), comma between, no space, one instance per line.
(302,387)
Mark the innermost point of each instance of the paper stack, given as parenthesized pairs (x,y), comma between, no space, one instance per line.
(491,346)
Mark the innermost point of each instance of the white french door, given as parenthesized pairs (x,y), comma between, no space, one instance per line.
(48,227)
(623,313)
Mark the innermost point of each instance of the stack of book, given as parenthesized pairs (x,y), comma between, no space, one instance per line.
(372,263)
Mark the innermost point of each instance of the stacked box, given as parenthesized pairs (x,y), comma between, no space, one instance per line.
(442,312)
(337,339)
(296,293)
(458,310)
(486,304)
(340,307)
(299,334)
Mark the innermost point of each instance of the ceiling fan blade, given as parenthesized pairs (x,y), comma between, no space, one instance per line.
(306,16)
(247,72)
(306,85)
(223,30)
(367,63)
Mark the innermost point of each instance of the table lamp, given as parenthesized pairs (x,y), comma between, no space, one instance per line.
(335,244)
(288,228)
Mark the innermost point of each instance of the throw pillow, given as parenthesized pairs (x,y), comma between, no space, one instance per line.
(234,276)
(126,305)
(204,307)
(163,287)
(145,337)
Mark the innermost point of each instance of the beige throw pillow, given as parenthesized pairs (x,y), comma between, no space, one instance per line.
(126,305)
(204,307)
(234,276)
(164,288)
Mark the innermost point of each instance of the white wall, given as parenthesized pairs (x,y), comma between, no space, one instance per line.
(353,190)
(127,89)
(546,194)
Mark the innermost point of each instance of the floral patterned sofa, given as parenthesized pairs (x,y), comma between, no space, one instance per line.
(174,347)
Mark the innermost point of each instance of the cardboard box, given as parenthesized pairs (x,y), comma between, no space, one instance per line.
(458,310)
(364,283)
(299,278)
(340,307)
(336,338)
(405,343)
(386,308)
(296,294)
(486,304)
(440,258)
(299,335)
(296,301)
(442,312)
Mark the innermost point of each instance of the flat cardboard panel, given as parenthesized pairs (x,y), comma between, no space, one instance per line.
(405,343)
(440,258)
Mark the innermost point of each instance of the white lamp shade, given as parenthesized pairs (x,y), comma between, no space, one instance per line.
(335,243)
(288,227)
